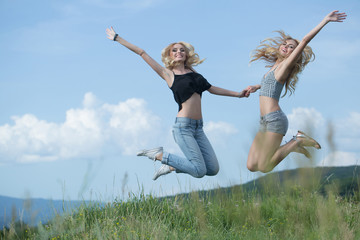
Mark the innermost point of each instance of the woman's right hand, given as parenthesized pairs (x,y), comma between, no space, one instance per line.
(164,73)
(110,33)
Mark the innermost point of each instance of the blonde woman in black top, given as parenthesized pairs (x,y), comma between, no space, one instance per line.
(187,86)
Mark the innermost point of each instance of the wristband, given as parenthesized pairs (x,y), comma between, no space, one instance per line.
(115,37)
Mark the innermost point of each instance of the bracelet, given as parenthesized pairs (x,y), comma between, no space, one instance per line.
(115,37)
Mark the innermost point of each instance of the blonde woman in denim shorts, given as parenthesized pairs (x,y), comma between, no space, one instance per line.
(286,57)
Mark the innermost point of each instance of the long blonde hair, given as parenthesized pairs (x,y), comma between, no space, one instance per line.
(268,50)
(192,58)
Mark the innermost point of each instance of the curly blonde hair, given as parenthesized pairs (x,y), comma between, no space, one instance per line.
(192,58)
(268,50)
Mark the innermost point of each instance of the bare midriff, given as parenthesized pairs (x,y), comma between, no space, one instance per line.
(268,105)
(191,108)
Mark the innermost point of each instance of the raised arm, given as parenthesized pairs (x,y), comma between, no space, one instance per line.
(334,16)
(163,72)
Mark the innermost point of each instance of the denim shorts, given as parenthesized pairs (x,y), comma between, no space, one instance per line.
(276,122)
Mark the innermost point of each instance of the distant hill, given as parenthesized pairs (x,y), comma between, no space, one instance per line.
(341,180)
(32,211)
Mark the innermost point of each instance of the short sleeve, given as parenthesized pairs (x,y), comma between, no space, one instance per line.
(203,83)
(206,85)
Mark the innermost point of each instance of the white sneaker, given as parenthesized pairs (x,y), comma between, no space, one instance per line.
(151,153)
(163,170)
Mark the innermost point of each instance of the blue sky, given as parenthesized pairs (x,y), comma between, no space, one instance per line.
(76,107)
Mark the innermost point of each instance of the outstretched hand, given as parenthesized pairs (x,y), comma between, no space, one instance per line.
(335,16)
(110,33)
(247,91)
(251,89)
(244,93)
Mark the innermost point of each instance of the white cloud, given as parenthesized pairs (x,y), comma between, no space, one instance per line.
(347,132)
(26,137)
(223,128)
(346,135)
(219,132)
(341,159)
(90,100)
(87,132)
(349,126)
(305,119)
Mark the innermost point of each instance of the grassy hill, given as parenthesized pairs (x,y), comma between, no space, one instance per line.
(344,181)
(307,203)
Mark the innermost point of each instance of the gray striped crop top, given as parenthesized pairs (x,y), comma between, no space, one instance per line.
(270,87)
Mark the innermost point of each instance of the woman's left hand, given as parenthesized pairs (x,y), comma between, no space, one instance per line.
(252,89)
(335,16)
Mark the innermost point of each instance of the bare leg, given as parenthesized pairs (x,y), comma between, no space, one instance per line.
(254,153)
(283,151)
(159,158)
(266,153)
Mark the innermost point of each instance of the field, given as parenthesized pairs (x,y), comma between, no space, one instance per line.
(303,209)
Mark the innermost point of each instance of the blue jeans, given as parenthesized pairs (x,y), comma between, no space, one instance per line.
(200,158)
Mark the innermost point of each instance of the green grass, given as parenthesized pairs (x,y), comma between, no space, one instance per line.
(279,212)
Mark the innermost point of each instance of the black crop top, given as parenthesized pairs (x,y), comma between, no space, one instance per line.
(185,85)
